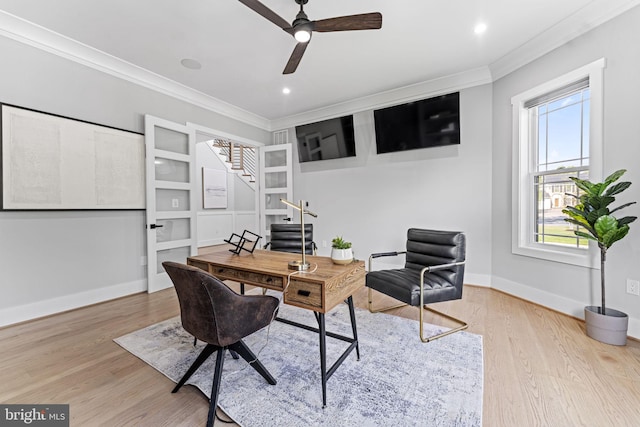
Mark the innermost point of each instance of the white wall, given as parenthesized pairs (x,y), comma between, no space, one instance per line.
(216,225)
(371,200)
(53,261)
(564,287)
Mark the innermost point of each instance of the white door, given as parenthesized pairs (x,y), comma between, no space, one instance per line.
(276,182)
(171,197)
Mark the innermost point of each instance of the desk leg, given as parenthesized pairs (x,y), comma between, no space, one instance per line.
(323,357)
(352,314)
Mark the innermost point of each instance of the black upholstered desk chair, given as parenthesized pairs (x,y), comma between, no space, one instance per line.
(433,272)
(215,314)
(288,238)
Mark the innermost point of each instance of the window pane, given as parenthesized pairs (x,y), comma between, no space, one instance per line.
(552,193)
(565,135)
(562,133)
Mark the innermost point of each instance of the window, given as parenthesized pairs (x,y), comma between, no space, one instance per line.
(557,135)
(559,131)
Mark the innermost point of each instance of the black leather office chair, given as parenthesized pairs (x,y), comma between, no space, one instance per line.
(288,238)
(215,314)
(433,272)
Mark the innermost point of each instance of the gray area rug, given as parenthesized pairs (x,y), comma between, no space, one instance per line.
(399,381)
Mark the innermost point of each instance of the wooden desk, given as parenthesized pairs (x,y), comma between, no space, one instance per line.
(320,291)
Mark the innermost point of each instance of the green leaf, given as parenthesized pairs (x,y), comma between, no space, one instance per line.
(593,216)
(617,189)
(621,207)
(614,235)
(604,225)
(585,235)
(597,189)
(582,184)
(598,202)
(582,223)
(339,243)
(574,211)
(614,177)
(579,221)
(626,220)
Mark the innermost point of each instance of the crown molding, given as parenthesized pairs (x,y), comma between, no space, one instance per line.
(31,34)
(426,89)
(586,19)
(589,17)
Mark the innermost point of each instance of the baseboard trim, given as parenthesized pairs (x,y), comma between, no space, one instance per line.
(482,280)
(22,313)
(13,315)
(554,302)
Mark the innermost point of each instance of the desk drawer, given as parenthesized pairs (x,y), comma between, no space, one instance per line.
(304,294)
(201,265)
(259,279)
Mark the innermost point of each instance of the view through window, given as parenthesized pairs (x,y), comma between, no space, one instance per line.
(560,132)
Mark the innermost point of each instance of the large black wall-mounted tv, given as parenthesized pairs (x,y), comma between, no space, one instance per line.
(328,139)
(426,123)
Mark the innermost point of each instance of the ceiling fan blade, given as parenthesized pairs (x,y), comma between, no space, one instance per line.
(267,13)
(365,21)
(295,58)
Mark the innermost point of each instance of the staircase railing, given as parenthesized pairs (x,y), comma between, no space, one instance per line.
(241,157)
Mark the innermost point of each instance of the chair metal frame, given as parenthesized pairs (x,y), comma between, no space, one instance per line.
(423,306)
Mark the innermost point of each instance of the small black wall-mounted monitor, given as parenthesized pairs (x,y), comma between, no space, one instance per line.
(328,139)
(426,123)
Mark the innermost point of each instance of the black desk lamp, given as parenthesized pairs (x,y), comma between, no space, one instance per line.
(300,265)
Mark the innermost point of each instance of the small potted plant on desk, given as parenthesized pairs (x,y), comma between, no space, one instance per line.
(593,215)
(341,252)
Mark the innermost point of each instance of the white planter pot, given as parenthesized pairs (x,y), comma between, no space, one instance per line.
(610,328)
(341,256)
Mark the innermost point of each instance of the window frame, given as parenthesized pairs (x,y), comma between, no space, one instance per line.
(524,162)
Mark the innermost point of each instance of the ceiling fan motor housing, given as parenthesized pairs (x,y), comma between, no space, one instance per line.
(301,18)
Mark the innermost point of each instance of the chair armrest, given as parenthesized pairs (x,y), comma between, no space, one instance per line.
(431,268)
(384,254)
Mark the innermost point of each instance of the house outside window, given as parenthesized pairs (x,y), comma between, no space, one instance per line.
(557,135)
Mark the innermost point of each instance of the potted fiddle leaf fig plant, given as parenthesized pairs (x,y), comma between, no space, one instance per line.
(597,223)
(341,252)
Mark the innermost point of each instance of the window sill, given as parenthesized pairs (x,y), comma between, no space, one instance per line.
(579,257)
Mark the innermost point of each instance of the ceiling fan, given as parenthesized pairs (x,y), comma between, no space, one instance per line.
(302,27)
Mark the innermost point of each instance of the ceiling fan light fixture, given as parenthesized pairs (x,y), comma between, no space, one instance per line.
(302,34)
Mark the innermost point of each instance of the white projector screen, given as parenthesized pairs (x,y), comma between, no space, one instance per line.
(51,162)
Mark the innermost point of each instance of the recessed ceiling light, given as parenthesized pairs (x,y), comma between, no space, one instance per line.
(191,64)
(480,28)
(286,91)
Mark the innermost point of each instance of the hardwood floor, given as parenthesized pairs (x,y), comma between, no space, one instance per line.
(540,368)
